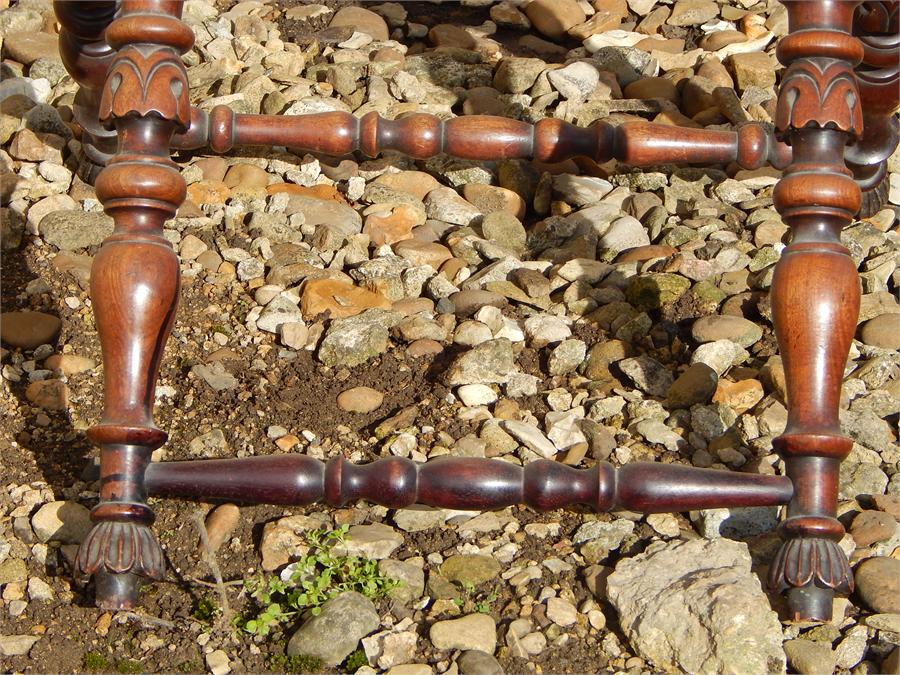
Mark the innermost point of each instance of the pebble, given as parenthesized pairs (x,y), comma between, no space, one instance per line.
(648,375)
(470,569)
(27,329)
(360,400)
(220,524)
(561,612)
(810,658)
(17,645)
(62,521)
(878,584)
(476,394)
(882,331)
(48,394)
(475,631)
(733,328)
(489,362)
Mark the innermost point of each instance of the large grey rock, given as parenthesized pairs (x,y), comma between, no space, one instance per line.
(331,636)
(695,606)
(73,230)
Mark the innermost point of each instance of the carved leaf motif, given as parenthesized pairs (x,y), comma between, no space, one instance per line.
(819,93)
(119,548)
(146,84)
(800,562)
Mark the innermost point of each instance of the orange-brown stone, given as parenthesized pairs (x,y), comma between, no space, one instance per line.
(339,299)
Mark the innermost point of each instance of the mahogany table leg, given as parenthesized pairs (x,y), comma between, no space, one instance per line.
(134,285)
(815,293)
(87,56)
(878,28)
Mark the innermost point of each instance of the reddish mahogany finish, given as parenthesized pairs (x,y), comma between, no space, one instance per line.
(485,137)
(465,483)
(836,103)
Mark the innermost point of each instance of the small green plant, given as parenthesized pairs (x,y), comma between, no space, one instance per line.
(301,663)
(317,577)
(95,662)
(355,661)
(206,610)
(189,667)
(129,667)
(482,605)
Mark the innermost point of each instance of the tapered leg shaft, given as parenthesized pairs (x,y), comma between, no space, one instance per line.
(815,293)
(134,285)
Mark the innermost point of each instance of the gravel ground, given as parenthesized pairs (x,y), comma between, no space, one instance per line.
(512,310)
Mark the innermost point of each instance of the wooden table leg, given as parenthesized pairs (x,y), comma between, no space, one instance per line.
(877,26)
(815,293)
(134,285)
(86,56)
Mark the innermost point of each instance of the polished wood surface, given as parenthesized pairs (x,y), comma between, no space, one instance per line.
(484,137)
(134,285)
(835,110)
(815,293)
(464,483)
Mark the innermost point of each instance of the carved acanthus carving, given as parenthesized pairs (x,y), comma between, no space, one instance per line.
(120,548)
(819,93)
(146,83)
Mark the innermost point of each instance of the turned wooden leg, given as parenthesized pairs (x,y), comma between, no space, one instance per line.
(877,26)
(134,285)
(815,293)
(87,56)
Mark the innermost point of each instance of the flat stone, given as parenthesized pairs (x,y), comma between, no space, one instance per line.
(576,81)
(27,329)
(505,229)
(220,524)
(470,569)
(490,362)
(882,331)
(445,204)
(73,230)
(531,437)
(474,662)
(70,364)
(725,327)
(475,631)
(28,47)
(878,584)
(692,12)
(333,634)
(741,395)
(17,645)
(373,542)
(338,299)
(361,20)
(561,612)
